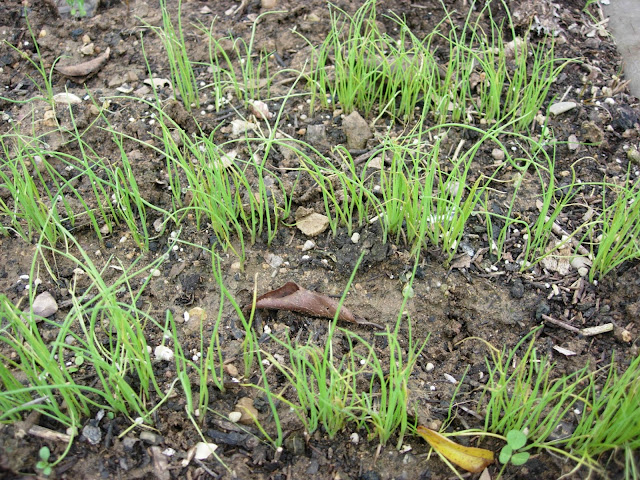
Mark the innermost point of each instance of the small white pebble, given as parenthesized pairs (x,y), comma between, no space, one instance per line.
(308,245)
(24,277)
(355,438)
(235,417)
(430,366)
(450,378)
(162,352)
(432,388)
(355,238)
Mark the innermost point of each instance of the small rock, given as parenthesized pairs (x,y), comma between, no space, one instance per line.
(622,335)
(194,319)
(592,132)
(88,49)
(260,110)
(450,378)
(497,154)
(430,367)
(150,437)
(355,438)
(357,131)
(517,289)
(561,107)
(355,238)
(247,410)
(317,135)
(231,370)
(92,433)
(204,450)
(311,223)
(240,127)
(633,155)
(44,305)
(234,417)
(308,245)
(49,118)
(274,260)
(66,98)
(266,4)
(572,143)
(163,352)
(375,162)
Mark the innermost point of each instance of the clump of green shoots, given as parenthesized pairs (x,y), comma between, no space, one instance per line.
(182,74)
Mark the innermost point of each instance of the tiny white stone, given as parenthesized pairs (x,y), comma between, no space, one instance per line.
(450,378)
(235,417)
(308,245)
(430,366)
(355,238)
(163,352)
(169,452)
(561,107)
(355,438)
(204,450)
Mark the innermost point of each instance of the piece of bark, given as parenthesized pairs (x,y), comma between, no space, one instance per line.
(83,71)
(292,297)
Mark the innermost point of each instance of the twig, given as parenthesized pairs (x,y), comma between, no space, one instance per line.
(560,323)
(597,330)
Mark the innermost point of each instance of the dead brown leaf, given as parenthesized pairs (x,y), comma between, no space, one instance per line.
(82,71)
(293,298)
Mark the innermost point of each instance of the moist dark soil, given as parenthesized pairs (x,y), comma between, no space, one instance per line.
(486,297)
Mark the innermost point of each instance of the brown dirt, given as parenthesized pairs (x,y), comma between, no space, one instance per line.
(499,305)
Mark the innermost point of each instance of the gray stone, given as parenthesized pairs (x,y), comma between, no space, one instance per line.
(44,305)
(357,131)
(561,107)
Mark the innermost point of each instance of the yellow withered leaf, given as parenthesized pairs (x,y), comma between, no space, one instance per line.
(472,459)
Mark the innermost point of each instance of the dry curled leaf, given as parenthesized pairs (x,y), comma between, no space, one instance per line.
(292,297)
(82,71)
(472,459)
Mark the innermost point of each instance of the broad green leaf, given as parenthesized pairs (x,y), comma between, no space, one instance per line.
(505,454)
(516,439)
(520,458)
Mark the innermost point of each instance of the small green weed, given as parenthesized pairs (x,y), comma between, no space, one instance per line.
(516,439)
(43,464)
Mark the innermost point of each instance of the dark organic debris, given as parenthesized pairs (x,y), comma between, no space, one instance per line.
(292,297)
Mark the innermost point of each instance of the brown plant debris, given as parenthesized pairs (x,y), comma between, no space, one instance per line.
(294,298)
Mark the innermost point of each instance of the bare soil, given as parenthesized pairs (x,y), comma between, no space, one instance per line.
(498,304)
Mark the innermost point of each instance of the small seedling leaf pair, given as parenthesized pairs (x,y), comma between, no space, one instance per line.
(44,453)
(473,460)
(515,441)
